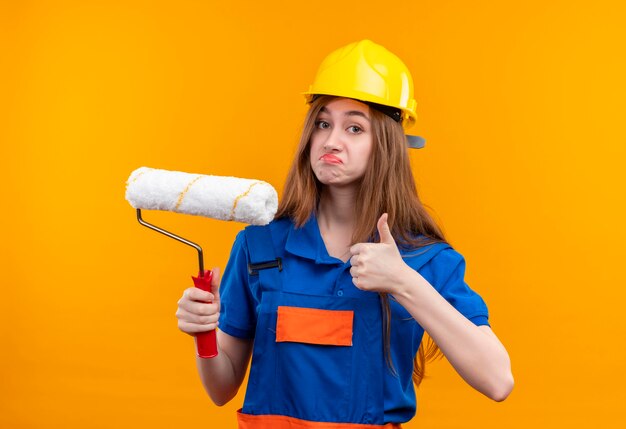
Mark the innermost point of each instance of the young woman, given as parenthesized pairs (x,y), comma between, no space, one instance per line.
(332,298)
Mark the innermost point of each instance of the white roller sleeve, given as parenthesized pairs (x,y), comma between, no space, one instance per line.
(226,198)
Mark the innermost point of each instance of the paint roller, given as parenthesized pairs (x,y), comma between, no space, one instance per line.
(225,198)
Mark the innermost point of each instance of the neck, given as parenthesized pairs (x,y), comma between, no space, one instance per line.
(336,207)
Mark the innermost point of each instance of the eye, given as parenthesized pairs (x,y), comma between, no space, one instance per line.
(322,124)
(354,129)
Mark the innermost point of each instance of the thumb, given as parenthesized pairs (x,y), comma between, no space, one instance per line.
(383,230)
(215,283)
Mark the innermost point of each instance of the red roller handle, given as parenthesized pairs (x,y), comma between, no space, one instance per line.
(206,342)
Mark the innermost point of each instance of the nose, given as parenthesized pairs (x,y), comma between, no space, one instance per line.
(333,142)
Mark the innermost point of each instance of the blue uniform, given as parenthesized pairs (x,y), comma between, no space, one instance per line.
(305,374)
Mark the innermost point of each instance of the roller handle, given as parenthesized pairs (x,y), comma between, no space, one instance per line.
(206,342)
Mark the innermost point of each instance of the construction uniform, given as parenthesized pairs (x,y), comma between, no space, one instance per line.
(318,359)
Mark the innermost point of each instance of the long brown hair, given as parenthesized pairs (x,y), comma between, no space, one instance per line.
(387,186)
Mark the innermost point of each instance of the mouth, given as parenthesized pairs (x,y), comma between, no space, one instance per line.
(331,159)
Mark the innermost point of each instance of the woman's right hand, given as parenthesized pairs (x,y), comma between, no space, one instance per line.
(194,313)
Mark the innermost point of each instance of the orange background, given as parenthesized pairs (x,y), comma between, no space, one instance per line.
(521,104)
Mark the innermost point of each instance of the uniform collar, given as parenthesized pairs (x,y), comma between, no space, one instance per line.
(307,242)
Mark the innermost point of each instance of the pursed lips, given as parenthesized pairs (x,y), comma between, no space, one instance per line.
(331,159)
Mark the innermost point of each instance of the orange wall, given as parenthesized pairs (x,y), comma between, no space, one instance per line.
(521,104)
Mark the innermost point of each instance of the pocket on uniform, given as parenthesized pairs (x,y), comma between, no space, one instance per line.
(314,326)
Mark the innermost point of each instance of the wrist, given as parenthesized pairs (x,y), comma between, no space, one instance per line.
(407,283)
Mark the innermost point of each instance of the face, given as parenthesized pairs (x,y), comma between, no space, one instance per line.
(341,142)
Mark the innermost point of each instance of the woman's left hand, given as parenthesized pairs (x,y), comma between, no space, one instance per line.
(378,267)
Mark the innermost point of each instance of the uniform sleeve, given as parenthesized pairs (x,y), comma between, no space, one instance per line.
(238,306)
(450,266)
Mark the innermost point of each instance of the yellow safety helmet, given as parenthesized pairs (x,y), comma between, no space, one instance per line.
(368,72)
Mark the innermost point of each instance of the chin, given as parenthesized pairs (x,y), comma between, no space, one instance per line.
(337,183)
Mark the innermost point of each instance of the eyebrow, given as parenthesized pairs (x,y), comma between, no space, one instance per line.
(348,113)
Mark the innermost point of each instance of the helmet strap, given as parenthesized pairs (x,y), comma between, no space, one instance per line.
(392,112)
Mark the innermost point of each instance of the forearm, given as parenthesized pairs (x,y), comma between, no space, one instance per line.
(478,356)
(223,374)
(217,378)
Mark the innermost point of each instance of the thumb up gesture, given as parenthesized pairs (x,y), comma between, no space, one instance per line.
(378,267)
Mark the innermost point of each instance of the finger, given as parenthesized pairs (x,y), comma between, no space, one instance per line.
(354,272)
(359,248)
(383,230)
(194,328)
(200,308)
(188,317)
(199,295)
(203,309)
(196,318)
(192,295)
(354,260)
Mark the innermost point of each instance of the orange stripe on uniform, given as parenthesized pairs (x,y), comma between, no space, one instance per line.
(271,421)
(314,326)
